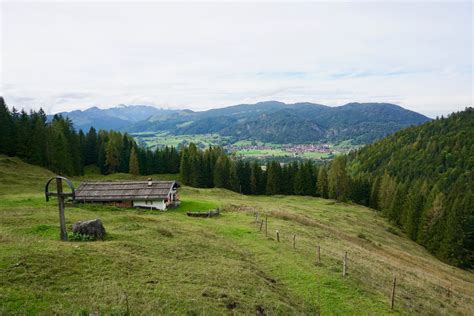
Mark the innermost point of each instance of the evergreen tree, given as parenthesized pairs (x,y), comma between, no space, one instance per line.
(39,139)
(338,181)
(7,130)
(101,159)
(185,170)
(243,175)
(413,207)
(322,184)
(23,133)
(133,161)
(256,179)
(431,222)
(112,152)
(234,183)
(386,193)
(303,183)
(397,207)
(273,178)
(360,190)
(374,194)
(222,172)
(124,159)
(92,148)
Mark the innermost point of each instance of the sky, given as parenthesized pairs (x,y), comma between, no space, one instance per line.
(66,55)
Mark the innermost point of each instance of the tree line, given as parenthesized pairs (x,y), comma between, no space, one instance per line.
(57,146)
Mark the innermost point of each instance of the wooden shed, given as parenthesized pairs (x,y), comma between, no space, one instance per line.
(144,194)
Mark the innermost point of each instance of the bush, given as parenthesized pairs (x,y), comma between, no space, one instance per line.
(80,237)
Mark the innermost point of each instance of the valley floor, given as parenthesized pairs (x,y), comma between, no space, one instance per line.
(169,263)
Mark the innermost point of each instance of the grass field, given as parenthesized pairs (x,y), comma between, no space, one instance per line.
(162,139)
(168,263)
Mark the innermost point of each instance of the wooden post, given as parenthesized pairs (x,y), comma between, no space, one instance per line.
(278,236)
(294,241)
(261,224)
(266,225)
(392,302)
(318,250)
(62,219)
(344,264)
(256,217)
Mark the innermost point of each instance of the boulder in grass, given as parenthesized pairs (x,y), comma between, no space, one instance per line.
(93,228)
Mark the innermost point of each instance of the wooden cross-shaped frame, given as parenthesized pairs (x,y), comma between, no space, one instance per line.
(61,197)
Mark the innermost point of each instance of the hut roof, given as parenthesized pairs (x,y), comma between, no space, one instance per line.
(108,191)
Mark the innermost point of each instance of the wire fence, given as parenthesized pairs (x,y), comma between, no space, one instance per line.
(404,287)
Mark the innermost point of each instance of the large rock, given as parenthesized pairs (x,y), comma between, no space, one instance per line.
(93,228)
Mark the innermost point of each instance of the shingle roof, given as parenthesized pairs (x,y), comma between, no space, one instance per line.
(106,191)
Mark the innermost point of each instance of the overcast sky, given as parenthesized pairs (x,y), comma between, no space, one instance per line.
(64,56)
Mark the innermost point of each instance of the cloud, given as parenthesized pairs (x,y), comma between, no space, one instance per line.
(64,56)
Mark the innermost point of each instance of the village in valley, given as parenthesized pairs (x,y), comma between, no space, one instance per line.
(249,149)
(255,150)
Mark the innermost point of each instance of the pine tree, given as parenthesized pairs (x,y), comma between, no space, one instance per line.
(414,207)
(322,184)
(101,158)
(396,209)
(273,178)
(185,170)
(222,172)
(243,175)
(7,128)
(374,194)
(256,181)
(23,133)
(134,167)
(431,222)
(112,152)
(234,183)
(386,193)
(39,139)
(360,190)
(92,147)
(338,181)
(124,159)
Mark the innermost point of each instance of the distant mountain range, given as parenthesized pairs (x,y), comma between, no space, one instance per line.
(269,121)
(117,117)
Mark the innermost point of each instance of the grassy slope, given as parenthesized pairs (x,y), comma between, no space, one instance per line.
(168,262)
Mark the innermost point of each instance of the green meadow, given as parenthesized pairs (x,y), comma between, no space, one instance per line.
(155,262)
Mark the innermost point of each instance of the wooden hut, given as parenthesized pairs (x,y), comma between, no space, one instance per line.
(144,194)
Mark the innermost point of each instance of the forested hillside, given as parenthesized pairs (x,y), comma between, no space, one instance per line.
(422,179)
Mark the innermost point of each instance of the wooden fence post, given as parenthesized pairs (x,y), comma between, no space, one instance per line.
(392,302)
(278,236)
(261,224)
(294,241)
(266,225)
(256,217)
(344,264)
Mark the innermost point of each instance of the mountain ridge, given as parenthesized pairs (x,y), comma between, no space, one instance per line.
(269,121)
